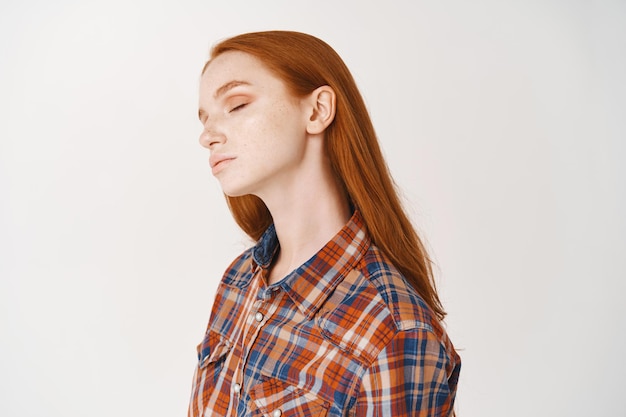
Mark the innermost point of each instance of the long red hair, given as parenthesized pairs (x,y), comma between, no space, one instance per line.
(305,63)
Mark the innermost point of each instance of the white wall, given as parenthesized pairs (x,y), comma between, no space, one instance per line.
(503,122)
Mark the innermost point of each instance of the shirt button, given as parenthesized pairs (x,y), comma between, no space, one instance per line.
(258,317)
(277,413)
(237,388)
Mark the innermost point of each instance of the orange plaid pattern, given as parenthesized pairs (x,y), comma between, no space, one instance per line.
(342,335)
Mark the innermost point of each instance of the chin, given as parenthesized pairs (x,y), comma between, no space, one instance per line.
(233,191)
(240,186)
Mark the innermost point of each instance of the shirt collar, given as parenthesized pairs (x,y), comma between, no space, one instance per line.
(310,284)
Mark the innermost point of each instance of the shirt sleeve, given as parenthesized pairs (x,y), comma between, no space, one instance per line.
(412,376)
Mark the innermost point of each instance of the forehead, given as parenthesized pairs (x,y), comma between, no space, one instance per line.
(236,66)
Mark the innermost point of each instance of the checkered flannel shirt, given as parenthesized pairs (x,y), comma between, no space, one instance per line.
(342,335)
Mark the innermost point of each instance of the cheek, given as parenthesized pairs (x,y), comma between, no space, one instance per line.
(271,134)
(259,134)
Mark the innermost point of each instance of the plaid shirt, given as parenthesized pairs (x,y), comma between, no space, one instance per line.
(342,335)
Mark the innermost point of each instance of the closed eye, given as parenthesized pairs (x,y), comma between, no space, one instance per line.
(238,107)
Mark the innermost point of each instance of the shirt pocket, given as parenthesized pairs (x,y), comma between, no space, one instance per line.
(212,354)
(213,350)
(275,398)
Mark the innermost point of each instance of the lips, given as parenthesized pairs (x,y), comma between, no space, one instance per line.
(217,161)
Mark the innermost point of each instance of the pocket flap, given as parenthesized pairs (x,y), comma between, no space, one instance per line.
(213,347)
(275,397)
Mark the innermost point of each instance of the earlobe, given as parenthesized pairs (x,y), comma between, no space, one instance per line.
(323,102)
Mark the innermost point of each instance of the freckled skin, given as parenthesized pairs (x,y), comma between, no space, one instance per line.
(259,124)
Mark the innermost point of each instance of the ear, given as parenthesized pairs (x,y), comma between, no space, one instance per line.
(323,102)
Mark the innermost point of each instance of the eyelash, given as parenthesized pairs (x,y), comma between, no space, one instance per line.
(238,107)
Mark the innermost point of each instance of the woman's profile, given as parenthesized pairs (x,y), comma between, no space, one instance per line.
(333,311)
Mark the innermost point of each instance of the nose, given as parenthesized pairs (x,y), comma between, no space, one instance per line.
(210,137)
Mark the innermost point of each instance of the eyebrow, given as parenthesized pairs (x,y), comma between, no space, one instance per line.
(229,85)
(221,91)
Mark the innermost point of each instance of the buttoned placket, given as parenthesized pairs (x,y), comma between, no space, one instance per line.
(262,309)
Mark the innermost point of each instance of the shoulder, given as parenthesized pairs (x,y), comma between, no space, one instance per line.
(371,306)
(406,306)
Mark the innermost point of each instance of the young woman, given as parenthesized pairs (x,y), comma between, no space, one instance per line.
(333,312)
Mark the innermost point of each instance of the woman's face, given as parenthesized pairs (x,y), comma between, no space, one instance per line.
(253,126)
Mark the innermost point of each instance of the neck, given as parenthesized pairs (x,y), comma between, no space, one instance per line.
(306,217)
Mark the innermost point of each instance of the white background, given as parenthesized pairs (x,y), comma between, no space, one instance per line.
(502,121)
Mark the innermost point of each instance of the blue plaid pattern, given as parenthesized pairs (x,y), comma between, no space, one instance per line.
(342,335)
